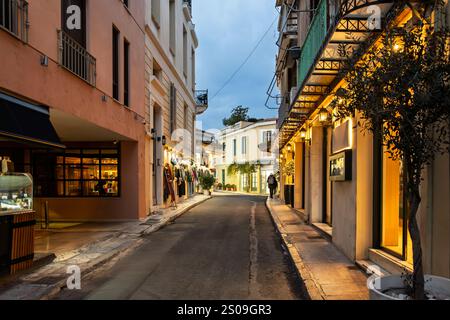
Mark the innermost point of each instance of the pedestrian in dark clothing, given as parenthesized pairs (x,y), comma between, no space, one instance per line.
(273,185)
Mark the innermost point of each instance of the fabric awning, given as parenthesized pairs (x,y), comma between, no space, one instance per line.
(23,121)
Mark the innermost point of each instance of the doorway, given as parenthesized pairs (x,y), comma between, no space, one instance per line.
(157,184)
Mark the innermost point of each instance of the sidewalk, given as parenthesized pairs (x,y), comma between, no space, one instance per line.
(88,246)
(326,272)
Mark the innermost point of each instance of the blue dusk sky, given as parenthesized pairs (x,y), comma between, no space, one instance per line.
(228,30)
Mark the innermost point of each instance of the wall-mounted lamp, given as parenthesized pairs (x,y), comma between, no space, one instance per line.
(324,115)
(164,140)
(303,133)
(304,136)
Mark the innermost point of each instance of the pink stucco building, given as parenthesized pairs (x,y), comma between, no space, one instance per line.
(72,82)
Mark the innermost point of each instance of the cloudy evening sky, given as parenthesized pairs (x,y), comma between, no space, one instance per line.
(228,30)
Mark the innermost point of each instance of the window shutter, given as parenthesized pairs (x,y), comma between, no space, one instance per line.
(173,108)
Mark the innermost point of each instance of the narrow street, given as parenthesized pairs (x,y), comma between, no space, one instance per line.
(226,248)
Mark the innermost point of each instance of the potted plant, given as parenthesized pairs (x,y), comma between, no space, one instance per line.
(207,181)
(234,187)
(219,186)
(400,89)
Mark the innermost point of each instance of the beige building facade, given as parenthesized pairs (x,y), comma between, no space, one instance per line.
(72,102)
(171,102)
(247,142)
(344,183)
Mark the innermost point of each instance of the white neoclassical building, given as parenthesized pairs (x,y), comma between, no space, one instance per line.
(252,143)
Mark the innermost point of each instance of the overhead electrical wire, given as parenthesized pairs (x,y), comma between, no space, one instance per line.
(245,60)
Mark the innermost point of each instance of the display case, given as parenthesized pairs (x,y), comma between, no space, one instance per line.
(16,192)
(17,221)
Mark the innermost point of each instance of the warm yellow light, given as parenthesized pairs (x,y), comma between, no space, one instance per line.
(396,47)
(289,148)
(303,133)
(323,115)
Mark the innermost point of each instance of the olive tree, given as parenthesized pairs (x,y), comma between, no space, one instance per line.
(400,89)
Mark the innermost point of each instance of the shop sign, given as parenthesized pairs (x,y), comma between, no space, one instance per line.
(341,166)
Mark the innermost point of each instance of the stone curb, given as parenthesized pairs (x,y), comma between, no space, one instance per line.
(170,219)
(302,270)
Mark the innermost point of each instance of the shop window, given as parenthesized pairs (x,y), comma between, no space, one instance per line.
(395,238)
(76,173)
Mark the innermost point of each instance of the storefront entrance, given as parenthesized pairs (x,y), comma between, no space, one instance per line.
(327,187)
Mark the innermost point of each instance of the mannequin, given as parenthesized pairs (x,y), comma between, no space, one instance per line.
(6,165)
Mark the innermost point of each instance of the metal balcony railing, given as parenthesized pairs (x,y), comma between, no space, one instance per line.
(314,41)
(14,18)
(75,58)
(289,28)
(201,100)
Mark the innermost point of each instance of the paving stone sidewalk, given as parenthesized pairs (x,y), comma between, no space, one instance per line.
(47,281)
(326,272)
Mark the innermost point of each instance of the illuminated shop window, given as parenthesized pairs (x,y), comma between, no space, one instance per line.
(77,173)
(395,237)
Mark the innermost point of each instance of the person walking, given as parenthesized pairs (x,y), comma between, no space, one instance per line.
(273,185)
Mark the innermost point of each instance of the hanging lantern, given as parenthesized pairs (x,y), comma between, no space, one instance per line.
(303,133)
(323,115)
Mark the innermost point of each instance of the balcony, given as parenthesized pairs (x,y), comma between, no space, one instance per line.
(75,58)
(343,25)
(314,41)
(201,101)
(288,30)
(14,18)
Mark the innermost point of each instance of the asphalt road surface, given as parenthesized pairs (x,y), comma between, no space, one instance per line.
(225,248)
